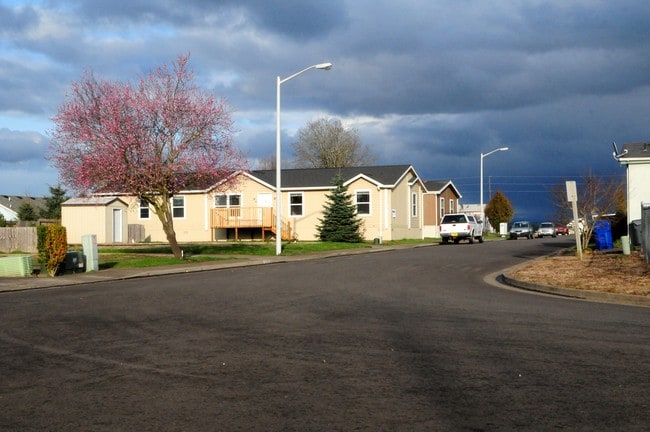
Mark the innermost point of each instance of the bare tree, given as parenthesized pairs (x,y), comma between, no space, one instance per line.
(597,197)
(326,143)
(266,163)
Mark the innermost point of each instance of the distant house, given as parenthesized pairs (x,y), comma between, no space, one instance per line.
(440,198)
(388,199)
(636,158)
(10,204)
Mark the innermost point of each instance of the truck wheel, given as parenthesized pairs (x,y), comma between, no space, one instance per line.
(480,239)
(471,239)
(445,240)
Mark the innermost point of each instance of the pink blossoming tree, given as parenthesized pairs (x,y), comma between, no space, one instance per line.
(149,140)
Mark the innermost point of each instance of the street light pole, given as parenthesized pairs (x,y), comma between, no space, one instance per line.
(483,155)
(278,158)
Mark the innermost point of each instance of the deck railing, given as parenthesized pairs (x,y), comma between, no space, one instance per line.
(249,217)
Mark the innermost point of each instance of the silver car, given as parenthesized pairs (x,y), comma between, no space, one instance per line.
(521,229)
(546,229)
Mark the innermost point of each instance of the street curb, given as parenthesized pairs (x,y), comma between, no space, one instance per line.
(32,283)
(499,279)
(571,293)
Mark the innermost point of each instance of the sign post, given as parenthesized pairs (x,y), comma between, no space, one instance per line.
(572,197)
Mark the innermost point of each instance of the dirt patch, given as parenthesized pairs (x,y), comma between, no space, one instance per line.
(605,272)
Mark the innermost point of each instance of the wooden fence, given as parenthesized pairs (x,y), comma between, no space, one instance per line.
(23,239)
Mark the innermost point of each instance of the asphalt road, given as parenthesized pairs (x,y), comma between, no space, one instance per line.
(405,340)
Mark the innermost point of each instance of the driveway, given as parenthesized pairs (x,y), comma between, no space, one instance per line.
(409,340)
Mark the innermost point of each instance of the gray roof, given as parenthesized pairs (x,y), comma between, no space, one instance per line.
(436,185)
(98,200)
(307,178)
(637,150)
(13,202)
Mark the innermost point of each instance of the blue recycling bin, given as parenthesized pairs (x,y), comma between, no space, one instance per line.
(603,235)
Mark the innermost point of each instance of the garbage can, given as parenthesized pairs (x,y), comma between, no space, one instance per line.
(603,235)
(635,232)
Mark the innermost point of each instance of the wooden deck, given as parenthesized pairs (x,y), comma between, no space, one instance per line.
(249,217)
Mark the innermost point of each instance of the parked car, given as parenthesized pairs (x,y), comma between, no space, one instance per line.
(546,229)
(521,229)
(561,229)
(460,226)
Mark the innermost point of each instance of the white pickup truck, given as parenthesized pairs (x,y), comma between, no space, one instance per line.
(461,226)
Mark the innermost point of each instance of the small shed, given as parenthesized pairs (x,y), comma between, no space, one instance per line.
(104,216)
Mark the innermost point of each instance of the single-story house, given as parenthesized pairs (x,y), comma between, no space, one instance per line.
(389,199)
(10,204)
(636,158)
(440,198)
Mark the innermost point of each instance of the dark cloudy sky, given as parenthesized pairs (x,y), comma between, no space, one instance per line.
(429,83)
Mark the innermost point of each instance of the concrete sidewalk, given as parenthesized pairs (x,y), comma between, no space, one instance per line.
(45,281)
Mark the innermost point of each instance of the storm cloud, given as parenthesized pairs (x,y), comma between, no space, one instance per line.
(428,83)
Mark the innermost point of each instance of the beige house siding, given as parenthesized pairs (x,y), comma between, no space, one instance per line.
(312,209)
(403,224)
(82,217)
(313,206)
(193,226)
(372,227)
(249,189)
(394,213)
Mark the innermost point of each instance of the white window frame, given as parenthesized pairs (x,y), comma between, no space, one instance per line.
(142,207)
(414,204)
(229,199)
(452,208)
(442,207)
(301,205)
(357,203)
(175,207)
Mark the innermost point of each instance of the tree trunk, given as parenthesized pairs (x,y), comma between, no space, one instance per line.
(164,212)
(171,238)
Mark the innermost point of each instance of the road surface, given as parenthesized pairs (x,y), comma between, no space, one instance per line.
(405,340)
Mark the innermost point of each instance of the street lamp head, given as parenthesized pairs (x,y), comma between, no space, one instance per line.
(503,148)
(324,66)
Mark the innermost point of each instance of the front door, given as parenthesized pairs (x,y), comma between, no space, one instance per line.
(117,225)
(264,201)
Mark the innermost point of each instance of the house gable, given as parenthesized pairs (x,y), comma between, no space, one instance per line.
(636,158)
(438,186)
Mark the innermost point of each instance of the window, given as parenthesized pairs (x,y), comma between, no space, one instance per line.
(221,200)
(363,202)
(442,207)
(144,210)
(224,200)
(414,204)
(178,207)
(295,203)
(452,208)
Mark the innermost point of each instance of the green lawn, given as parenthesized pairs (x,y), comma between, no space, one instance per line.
(142,255)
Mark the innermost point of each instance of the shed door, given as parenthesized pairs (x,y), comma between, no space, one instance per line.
(117,225)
